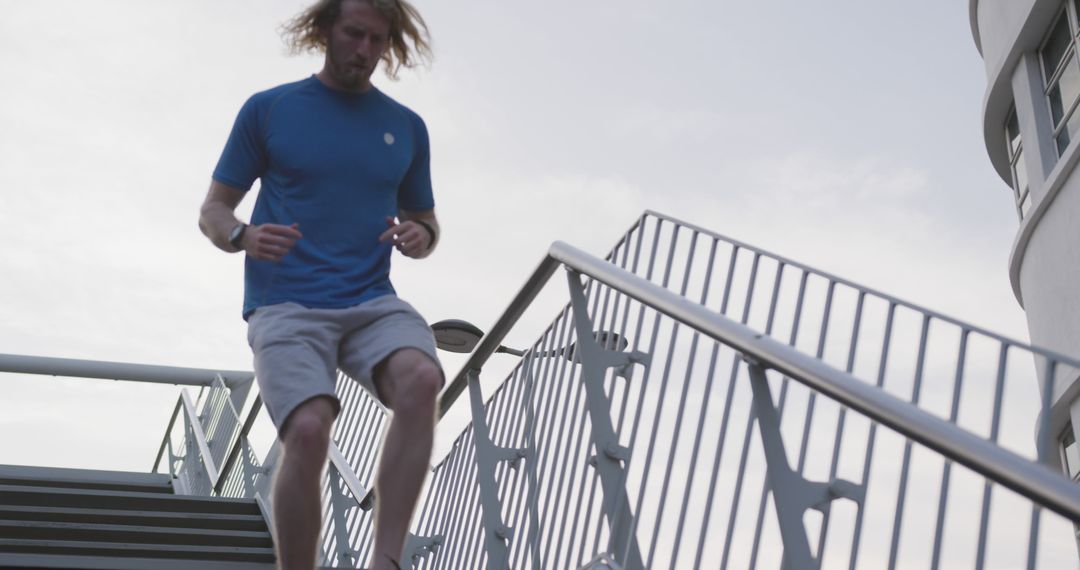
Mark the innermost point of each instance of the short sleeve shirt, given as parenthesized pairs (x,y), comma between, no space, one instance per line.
(337,164)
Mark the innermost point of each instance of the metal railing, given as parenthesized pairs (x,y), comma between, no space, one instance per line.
(209,425)
(699,403)
(671,454)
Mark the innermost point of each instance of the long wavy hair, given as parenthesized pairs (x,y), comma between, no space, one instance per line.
(410,42)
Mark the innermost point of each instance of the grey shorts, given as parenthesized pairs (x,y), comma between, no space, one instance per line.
(299,350)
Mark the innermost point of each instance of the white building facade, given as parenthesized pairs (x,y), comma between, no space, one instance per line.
(1031,126)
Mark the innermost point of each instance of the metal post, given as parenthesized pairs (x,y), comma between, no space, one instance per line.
(792,494)
(610,455)
(496,533)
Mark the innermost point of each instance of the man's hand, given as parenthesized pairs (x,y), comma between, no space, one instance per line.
(270,242)
(410,238)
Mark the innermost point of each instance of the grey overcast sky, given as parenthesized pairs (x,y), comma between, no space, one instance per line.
(842,133)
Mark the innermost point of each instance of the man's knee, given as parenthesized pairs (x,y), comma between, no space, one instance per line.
(410,380)
(307,430)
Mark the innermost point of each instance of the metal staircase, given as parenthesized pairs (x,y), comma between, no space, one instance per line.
(70,518)
(698,403)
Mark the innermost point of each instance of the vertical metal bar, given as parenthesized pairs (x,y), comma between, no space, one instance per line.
(1033,537)
(905,469)
(838,438)
(472,543)
(947,470)
(432,504)
(537,422)
(744,452)
(562,442)
(705,399)
(641,397)
(793,337)
(626,398)
(345,433)
(995,424)
(530,473)
(810,405)
(512,482)
(789,514)
(655,424)
(730,278)
(454,512)
(728,401)
(1045,444)
(679,414)
(871,437)
(721,441)
(549,388)
(734,511)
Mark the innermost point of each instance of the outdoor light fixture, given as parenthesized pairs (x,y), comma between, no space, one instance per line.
(455,335)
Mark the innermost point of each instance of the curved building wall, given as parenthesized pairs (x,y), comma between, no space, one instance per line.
(998,22)
(1031,126)
(1049,275)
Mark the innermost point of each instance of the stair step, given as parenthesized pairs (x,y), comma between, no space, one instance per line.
(85,479)
(129,517)
(66,562)
(174,552)
(123,500)
(110,533)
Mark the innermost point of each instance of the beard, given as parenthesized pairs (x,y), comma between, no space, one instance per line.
(348,74)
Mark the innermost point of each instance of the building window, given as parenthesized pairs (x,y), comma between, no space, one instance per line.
(1070,453)
(1061,71)
(1016,165)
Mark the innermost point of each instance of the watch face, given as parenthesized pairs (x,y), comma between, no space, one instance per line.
(235,234)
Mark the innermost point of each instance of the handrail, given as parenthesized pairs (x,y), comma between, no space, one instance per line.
(1031,480)
(347,474)
(151,373)
(493,339)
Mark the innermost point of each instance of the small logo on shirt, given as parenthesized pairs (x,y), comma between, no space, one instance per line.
(389,138)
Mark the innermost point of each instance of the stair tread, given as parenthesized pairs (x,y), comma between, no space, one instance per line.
(65,477)
(58,497)
(6,527)
(137,494)
(175,551)
(62,561)
(132,517)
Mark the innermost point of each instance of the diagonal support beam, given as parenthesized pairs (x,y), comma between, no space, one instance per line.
(792,493)
(610,456)
(496,533)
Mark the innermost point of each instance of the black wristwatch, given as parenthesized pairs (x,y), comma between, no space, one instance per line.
(237,235)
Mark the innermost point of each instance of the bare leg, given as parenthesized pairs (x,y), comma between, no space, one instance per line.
(297,506)
(409,381)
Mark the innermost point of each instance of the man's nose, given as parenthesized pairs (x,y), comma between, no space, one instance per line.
(365,47)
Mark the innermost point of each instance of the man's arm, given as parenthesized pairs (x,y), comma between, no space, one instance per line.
(217,218)
(412,236)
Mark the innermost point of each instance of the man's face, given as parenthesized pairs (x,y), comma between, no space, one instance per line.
(355,43)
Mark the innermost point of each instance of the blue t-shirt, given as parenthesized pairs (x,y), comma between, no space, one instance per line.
(337,164)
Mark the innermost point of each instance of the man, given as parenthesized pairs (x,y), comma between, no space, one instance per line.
(337,160)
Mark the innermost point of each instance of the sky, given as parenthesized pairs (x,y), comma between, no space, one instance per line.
(841,133)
